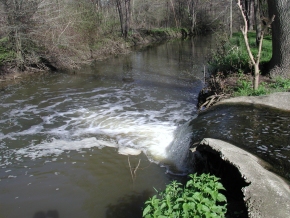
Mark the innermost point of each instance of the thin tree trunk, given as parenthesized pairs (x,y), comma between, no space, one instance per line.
(173,9)
(257,21)
(121,16)
(127,17)
(19,53)
(254,61)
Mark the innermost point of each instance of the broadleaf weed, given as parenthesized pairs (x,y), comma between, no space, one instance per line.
(200,197)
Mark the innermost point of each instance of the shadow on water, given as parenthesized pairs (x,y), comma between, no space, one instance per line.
(49,214)
(262,131)
(129,206)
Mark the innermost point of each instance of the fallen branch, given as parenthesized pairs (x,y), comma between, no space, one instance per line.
(213,99)
(133,171)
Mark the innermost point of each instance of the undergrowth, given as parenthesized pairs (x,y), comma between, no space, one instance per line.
(245,87)
(232,56)
(6,54)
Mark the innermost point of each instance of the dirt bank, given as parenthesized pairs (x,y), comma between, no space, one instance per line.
(108,48)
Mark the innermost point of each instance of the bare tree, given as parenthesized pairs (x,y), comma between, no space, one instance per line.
(192,8)
(124,10)
(254,60)
(18,17)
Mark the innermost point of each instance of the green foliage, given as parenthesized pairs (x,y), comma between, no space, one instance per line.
(245,88)
(200,198)
(6,54)
(233,56)
(281,84)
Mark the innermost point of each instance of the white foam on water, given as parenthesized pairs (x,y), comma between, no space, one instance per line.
(132,121)
(129,132)
(129,151)
(128,138)
(57,147)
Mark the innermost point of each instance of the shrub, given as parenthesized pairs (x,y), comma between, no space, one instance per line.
(200,197)
(232,54)
(6,54)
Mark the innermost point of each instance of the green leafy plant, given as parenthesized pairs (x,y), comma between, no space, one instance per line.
(281,84)
(200,198)
(245,88)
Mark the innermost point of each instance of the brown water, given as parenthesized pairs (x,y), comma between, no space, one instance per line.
(66,139)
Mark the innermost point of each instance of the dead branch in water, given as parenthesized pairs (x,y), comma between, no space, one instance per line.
(213,99)
(133,171)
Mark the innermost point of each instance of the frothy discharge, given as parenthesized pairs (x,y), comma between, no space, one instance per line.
(127,139)
(130,119)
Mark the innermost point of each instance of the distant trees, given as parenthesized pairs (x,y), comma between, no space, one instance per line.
(69,31)
(192,6)
(191,14)
(18,26)
(125,13)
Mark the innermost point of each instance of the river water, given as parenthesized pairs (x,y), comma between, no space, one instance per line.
(260,130)
(86,144)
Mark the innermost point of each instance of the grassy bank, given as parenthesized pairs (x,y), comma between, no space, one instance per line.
(232,57)
(232,72)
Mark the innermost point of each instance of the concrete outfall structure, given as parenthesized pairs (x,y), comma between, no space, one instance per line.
(278,100)
(266,195)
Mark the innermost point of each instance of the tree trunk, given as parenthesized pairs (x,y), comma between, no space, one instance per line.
(127,17)
(121,16)
(250,14)
(257,21)
(256,76)
(280,64)
(124,10)
(18,49)
(193,15)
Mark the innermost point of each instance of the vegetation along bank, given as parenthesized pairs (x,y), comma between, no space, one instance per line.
(252,61)
(47,35)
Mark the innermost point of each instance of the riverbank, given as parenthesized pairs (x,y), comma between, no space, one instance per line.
(219,87)
(111,46)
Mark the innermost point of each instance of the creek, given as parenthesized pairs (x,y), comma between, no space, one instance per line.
(91,143)
(68,140)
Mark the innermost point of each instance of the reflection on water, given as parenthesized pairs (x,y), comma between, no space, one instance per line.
(61,135)
(260,130)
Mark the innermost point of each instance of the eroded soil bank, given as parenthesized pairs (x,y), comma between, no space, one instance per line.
(139,39)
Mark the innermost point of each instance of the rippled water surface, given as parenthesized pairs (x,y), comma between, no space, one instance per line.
(68,141)
(262,131)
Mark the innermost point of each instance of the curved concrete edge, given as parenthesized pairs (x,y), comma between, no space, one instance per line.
(279,100)
(267,194)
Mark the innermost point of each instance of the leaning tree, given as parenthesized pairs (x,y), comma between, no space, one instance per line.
(280,62)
